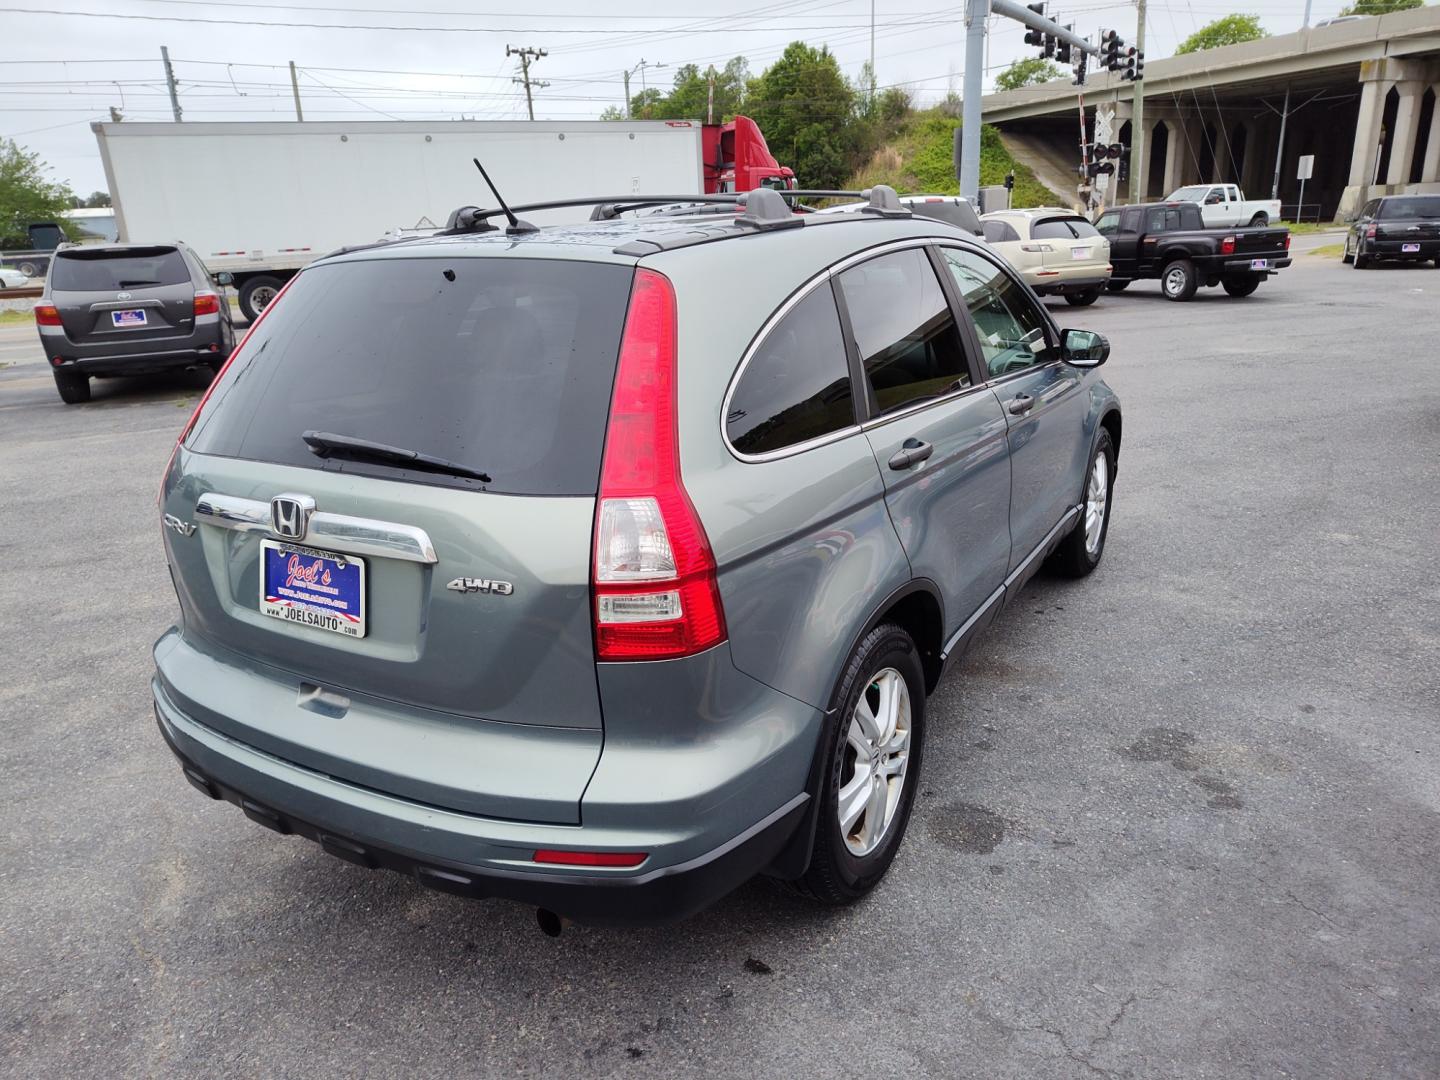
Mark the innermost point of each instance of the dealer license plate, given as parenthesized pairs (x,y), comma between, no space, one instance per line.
(1079,253)
(316,589)
(128,317)
(1259,264)
(1409,249)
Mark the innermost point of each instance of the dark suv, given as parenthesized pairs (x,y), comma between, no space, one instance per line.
(605,566)
(130,309)
(1401,227)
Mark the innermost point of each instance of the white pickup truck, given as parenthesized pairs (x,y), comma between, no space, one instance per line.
(1224,205)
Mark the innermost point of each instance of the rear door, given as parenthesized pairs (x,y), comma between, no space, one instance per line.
(475,596)
(938,436)
(123,295)
(1041,397)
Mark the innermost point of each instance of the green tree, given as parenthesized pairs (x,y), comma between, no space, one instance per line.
(93,201)
(1027,72)
(807,110)
(1231,30)
(27,194)
(1380,7)
(690,98)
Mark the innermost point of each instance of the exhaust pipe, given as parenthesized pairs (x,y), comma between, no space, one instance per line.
(551,924)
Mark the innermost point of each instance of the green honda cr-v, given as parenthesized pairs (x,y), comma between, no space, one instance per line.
(603,567)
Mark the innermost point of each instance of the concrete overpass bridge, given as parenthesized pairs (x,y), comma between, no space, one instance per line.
(1362,99)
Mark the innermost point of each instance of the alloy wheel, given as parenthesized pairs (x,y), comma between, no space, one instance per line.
(1097,494)
(877,756)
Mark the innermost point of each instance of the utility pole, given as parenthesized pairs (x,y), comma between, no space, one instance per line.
(526,55)
(640,67)
(1139,167)
(1306,24)
(872,52)
(976,12)
(295,89)
(170,82)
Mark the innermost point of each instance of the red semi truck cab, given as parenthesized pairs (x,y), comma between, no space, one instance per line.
(737,159)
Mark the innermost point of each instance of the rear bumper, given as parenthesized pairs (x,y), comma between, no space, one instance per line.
(1394,249)
(289,800)
(1243,265)
(207,345)
(1048,282)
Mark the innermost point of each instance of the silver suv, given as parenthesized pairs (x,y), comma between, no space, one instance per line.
(603,567)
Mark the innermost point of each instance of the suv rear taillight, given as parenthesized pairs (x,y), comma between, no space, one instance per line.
(1227,246)
(207,303)
(653,575)
(1370,231)
(47,315)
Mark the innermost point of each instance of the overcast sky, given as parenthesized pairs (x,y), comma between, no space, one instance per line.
(60,71)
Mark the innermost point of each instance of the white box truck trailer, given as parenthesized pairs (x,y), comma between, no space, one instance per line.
(260,200)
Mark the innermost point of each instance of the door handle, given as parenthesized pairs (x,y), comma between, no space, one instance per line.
(1020,404)
(911,452)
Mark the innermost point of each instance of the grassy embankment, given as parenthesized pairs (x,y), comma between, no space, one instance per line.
(920,159)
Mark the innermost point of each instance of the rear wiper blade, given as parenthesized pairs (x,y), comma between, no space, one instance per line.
(136,284)
(325,443)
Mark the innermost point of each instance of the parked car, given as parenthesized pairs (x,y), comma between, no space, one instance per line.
(1225,205)
(130,309)
(604,566)
(1401,227)
(952,209)
(1168,241)
(14,279)
(1057,251)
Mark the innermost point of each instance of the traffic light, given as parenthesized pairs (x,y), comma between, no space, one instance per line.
(1035,37)
(1063,50)
(1110,45)
(1080,66)
(1049,47)
(1101,168)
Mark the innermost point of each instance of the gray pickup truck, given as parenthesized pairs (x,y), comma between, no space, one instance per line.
(1169,242)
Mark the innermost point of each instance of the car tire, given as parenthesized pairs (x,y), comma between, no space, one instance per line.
(1241,286)
(257,292)
(1116,286)
(1259,221)
(1178,281)
(29,269)
(1082,299)
(1081,551)
(1361,260)
(847,861)
(1347,257)
(74,388)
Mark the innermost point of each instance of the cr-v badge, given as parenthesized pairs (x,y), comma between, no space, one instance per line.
(481,585)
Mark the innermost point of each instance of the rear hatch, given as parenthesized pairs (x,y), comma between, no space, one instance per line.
(123,295)
(1410,218)
(1071,240)
(501,367)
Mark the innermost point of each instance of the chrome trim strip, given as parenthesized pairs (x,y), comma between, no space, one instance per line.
(1070,514)
(333,532)
(956,637)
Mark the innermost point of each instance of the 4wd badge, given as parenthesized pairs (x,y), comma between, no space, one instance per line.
(481,585)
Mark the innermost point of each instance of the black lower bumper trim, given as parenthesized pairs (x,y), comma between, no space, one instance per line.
(662,896)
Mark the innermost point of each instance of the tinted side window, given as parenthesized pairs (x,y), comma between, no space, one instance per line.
(1109,224)
(997,232)
(1010,327)
(1130,222)
(797,384)
(908,340)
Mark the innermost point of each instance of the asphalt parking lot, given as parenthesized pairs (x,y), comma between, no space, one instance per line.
(1181,819)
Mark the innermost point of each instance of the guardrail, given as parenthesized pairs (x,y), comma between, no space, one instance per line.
(1301,212)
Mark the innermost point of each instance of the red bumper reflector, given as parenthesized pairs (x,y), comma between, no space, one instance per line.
(590,858)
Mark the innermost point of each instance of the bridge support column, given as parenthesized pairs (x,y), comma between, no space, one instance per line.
(1175,153)
(1367,129)
(1430,168)
(1407,130)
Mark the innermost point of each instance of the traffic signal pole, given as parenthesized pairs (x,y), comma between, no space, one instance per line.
(976,12)
(1139,167)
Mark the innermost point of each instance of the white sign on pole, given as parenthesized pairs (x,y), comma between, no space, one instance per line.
(1307,167)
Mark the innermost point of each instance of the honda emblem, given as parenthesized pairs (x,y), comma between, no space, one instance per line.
(290,515)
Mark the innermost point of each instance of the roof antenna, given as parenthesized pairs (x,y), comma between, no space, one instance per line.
(516,225)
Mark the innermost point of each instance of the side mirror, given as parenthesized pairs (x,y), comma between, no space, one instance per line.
(1083,348)
(224,278)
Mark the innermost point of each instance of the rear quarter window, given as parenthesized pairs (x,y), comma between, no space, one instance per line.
(102,270)
(503,365)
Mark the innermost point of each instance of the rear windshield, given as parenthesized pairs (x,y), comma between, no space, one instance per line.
(1410,207)
(503,366)
(1075,228)
(961,214)
(105,270)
